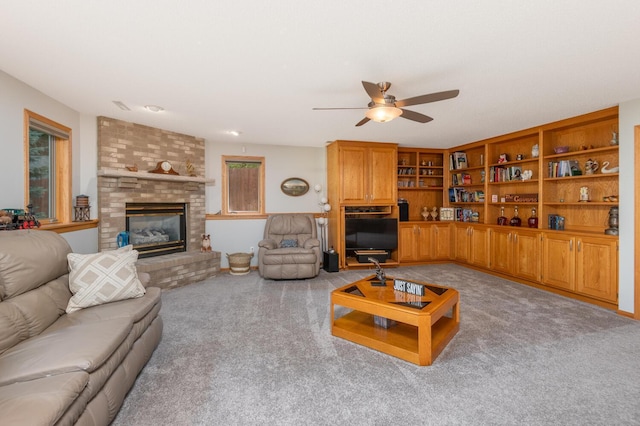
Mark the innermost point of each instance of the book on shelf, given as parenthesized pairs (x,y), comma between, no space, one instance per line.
(460,195)
(564,168)
(505,174)
(457,160)
(556,222)
(460,179)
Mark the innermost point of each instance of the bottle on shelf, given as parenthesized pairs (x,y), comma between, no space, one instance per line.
(502,220)
(533,219)
(515,220)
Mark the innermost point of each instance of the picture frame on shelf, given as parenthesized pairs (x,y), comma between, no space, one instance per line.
(446,214)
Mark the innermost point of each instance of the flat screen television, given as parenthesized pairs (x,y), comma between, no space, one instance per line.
(371,234)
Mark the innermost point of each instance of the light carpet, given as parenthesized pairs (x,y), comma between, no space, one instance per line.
(240,350)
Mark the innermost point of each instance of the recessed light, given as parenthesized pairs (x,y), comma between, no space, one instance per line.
(121,105)
(233,132)
(154,108)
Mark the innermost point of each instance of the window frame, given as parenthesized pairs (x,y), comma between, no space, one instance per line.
(62,167)
(225,185)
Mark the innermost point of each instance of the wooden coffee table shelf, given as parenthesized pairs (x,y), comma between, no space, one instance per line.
(418,335)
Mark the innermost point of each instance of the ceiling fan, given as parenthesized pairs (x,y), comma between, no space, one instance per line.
(384,107)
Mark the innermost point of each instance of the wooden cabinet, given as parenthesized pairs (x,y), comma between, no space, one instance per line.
(597,267)
(441,242)
(424,241)
(516,252)
(361,179)
(362,173)
(582,264)
(414,242)
(472,244)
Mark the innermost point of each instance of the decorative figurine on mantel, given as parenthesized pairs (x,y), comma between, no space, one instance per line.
(425,213)
(191,170)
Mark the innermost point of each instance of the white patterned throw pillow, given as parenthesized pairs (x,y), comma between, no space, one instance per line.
(103,277)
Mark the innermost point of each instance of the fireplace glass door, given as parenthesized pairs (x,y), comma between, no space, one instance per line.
(156,228)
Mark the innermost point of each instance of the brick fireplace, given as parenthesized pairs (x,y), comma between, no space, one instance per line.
(123,146)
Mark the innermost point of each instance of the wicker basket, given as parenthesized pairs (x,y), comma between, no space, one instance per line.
(239,263)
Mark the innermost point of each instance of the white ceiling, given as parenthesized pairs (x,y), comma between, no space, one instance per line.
(259,67)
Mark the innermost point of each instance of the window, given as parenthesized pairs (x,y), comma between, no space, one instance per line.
(242,185)
(47,146)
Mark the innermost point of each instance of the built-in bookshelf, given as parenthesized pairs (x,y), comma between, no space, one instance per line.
(513,175)
(466,184)
(581,196)
(420,179)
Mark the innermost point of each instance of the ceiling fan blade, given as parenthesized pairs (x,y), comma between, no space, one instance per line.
(425,99)
(363,121)
(415,116)
(374,92)
(327,109)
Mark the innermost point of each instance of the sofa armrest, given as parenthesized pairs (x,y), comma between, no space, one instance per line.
(268,244)
(145,278)
(311,243)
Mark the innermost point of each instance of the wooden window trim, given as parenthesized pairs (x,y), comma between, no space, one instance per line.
(62,164)
(225,185)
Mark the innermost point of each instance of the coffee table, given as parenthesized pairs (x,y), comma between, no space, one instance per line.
(411,327)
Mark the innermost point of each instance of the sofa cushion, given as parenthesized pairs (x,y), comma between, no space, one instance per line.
(283,256)
(42,401)
(29,314)
(104,277)
(29,259)
(82,346)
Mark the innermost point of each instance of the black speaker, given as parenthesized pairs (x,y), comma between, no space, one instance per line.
(330,261)
(403,209)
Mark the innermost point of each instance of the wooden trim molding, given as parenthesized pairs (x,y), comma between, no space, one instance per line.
(636,232)
(61,228)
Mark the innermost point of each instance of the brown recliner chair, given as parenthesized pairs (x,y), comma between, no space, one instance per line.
(290,248)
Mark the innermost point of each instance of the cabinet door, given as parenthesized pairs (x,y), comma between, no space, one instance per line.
(597,268)
(558,261)
(382,175)
(407,242)
(353,175)
(526,255)
(461,245)
(441,242)
(501,250)
(423,242)
(479,246)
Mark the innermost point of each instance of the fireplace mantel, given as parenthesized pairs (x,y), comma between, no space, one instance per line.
(119,173)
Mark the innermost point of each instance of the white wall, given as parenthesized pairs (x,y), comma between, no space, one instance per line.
(16,97)
(629,118)
(282,162)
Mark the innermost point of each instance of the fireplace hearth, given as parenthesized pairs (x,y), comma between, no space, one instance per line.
(156,229)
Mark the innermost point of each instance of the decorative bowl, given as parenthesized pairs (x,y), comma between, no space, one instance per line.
(561,149)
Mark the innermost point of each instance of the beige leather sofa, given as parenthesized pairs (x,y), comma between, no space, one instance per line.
(290,248)
(58,368)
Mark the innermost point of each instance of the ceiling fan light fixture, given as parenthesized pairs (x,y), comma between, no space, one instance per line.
(383,113)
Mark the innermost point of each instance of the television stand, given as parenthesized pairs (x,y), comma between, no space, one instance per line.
(352,263)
